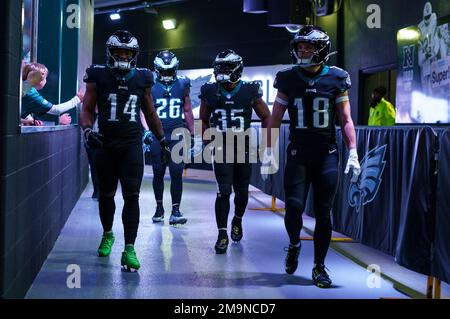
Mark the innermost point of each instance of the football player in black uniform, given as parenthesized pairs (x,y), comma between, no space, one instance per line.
(313,94)
(120,91)
(173,106)
(227,105)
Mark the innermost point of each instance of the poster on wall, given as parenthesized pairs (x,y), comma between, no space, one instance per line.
(264,75)
(423,80)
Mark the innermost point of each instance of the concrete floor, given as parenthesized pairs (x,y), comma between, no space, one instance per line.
(181,262)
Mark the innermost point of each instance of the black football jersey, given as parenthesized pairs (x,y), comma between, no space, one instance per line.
(119,101)
(169,102)
(311,102)
(231,110)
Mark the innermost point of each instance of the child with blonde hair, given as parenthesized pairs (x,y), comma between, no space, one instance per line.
(34,77)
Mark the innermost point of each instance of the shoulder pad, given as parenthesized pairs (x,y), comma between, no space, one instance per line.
(208,86)
(285,70)
(97,66)
(339,72)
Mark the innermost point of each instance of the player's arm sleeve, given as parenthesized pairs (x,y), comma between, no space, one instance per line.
(149,79)
(345,82)
(258,91)
(280,83)
(187,86)
(89,75)
(203,94)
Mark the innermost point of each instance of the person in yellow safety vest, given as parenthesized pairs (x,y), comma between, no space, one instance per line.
(382,112)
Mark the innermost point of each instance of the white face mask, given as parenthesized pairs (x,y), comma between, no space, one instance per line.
(122,65)
(167,78)
(221,78)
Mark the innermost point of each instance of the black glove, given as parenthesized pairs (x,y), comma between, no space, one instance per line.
(165,151)
(93,139)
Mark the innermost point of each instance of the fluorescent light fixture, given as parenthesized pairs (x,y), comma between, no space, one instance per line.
(169,24)
(114,16)
(408,34)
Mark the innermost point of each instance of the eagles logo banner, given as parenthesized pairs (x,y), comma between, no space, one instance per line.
(365,189)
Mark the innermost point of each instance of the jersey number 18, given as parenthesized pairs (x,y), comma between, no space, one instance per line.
(320,112)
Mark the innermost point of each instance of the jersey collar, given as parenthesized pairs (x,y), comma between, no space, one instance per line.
(125,77)
(167,87)
(130,74)
(230,94)
(313,80)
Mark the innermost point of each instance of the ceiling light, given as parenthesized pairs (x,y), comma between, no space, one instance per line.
(114,16)
(169,24)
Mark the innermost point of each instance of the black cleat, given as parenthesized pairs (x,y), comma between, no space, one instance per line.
(177,218)
(159,214)
(320,277)
(291,258)
(236,230)
(221,244)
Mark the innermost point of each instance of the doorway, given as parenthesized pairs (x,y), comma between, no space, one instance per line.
(370,79)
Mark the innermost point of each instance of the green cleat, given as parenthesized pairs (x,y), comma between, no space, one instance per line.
(129,259)
(105,246)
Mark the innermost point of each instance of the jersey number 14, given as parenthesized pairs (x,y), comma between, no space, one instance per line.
(129,108)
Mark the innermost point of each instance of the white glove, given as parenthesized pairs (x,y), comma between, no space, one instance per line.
(196,145)
(269,163)
(353,164)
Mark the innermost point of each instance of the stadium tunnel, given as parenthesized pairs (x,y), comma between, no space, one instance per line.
(45,184)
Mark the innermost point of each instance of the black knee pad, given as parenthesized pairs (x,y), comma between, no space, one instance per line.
(322,216)
(131,207)
(131,197)
(159,171)
(106,201)
(224,190)
(241,194)
(294,203)
(242,190)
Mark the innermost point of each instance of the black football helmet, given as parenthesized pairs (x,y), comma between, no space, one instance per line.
(122,40)
(167,63)
(316,36)
(228,67)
